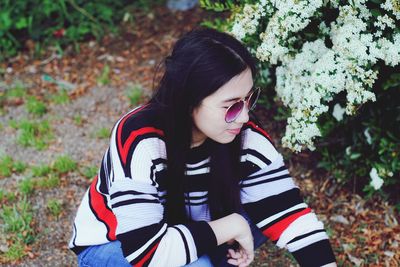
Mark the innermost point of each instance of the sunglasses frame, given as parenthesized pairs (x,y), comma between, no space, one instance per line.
(256,90)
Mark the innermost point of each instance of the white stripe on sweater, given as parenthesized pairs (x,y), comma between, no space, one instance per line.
(198,171)
(302,225)
(198,164)
(308,240)
(145,246)
(266,177)
(257,192)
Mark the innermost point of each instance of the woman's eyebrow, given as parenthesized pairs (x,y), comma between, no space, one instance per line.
(237,98)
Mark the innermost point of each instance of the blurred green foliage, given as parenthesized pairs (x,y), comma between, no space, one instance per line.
(61,22)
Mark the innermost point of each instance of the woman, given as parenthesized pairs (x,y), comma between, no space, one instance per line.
(189,180)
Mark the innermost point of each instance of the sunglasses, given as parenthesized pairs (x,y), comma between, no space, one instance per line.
(234,110)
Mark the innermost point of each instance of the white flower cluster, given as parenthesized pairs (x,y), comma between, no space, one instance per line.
(291,16)
(338,112)
(247,21)
(309,78)
(376,181)
(392,6)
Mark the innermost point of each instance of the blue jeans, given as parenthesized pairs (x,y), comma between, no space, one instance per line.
(110,254)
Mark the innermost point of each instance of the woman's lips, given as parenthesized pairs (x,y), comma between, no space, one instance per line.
(234,131)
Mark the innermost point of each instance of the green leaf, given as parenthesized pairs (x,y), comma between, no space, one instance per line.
(5,20)
(375,12)
(355,155)
(393,81)
(21,23)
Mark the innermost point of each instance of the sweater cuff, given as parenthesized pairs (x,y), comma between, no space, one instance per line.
(316,254)
(203,237)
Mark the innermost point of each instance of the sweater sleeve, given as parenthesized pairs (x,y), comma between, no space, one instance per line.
(138,160)
(273,202)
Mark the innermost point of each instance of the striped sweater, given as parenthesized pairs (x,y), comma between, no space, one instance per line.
(126,199)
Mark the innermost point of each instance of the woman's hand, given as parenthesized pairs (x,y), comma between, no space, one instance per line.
(235,227)
(245,254)
(239,258)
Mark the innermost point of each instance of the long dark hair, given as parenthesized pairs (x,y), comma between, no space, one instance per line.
(201,62)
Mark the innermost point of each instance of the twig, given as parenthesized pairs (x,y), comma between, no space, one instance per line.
(83,11)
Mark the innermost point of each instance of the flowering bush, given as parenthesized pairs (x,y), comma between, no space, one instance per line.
(310,73)
(328,57)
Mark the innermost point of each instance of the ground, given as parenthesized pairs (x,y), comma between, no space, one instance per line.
(98,82)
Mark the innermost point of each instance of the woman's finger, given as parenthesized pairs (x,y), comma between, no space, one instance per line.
(236,262)
(232,253)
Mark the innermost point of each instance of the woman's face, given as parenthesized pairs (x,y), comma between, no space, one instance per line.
(209,116)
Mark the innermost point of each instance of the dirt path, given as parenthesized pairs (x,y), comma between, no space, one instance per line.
(132,58)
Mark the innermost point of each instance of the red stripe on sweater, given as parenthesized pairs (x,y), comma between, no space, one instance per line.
(121,124)
(259,129)
(145,130)
(147,256)
(103,213)
(274,232)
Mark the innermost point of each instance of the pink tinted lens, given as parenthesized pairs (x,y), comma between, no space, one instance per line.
(233,112)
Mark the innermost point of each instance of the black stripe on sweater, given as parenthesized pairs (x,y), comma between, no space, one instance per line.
(185,243)
(258,155)
(205,165)
(315,255)
(153,172)
(273,204)
(305,235)
(127,167)
(265,173)
(134,201)
(133,240)
(267,180)
(130,192)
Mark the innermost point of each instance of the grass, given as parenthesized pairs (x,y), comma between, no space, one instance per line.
(78,120)
(16,91)
(61,97)
(64,164)
(35,106)
(33,133)
(104,77)
(134,93)
(19,166)
(15,252)
(13,124)
(8,166)
(48,182)
(54,206)
(49,175)
(40,171)
(89,171)
(26,186)
(13,93)
(102,133)
(7,196)
(17,219)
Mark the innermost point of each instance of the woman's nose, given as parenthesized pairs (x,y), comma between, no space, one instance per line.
(243,116)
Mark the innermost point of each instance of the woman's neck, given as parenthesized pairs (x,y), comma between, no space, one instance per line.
(198,138)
